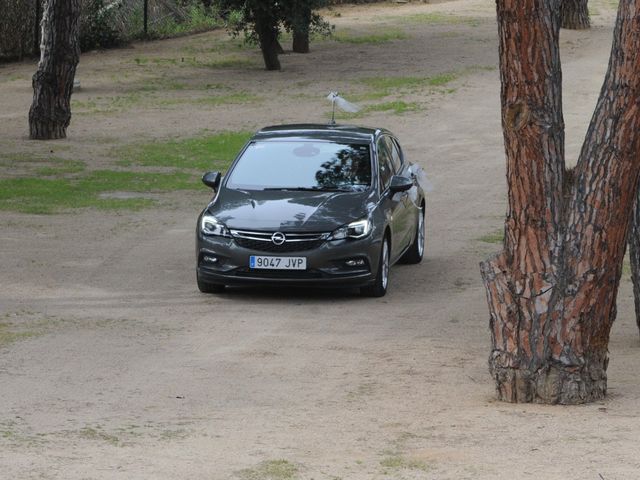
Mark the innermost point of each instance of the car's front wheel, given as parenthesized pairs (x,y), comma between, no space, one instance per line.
(379,286)
(206,287)
(416,251)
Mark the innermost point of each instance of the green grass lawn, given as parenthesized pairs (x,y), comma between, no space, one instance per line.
(45,185)
(211,152)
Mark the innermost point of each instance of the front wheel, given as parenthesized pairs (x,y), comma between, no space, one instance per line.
(379,287)
(416,250)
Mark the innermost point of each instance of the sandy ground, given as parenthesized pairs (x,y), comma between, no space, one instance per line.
(128,372)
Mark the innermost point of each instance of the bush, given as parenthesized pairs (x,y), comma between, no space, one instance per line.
(188,17)
(97,25)
(17,27)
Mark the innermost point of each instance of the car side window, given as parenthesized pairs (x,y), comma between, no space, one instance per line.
(385,168)
(396,156)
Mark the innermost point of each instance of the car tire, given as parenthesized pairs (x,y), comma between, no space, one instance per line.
(416,250)
(380,284)
(206,287)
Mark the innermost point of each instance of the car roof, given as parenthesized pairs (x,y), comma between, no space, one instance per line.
(348,133)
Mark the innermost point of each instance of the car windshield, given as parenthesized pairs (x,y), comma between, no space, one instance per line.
(302,165)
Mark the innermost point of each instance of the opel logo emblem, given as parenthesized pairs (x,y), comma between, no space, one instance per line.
(278,238)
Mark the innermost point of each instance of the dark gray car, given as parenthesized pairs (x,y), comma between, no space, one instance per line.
(317,205)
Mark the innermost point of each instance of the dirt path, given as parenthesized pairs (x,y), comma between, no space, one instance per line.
(123,370)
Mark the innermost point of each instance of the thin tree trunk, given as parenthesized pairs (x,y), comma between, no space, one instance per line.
(50,112)
(267,31)
(575,14)
(634,256)
(552,290)
(301,27)
(301,41)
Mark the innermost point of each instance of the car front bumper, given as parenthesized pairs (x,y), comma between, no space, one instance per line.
(221,260)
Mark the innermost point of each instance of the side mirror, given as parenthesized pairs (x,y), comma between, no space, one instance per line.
(212,179)
(400,184)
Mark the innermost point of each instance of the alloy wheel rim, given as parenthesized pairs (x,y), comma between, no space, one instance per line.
(385,264)
(421,234)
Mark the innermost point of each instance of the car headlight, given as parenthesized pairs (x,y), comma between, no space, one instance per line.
(210,225)
(355,230)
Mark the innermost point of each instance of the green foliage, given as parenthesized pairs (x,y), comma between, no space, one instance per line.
(97,25)
(105,23)
(249,16)
(261,21)
(17,22)
(302,16)
(197,18)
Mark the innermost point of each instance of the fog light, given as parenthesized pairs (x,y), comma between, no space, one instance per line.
(210,259)
(355,262)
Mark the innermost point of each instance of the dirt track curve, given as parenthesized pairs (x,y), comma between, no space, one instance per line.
(128,372)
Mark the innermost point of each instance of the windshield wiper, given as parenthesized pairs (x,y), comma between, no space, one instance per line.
(309,189)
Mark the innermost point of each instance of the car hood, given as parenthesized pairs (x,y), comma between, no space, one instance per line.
(288,210)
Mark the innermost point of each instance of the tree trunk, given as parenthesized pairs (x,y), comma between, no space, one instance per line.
(301,25)
(300,41)
(575,14)
(36,27)
(50,112)
(552,290)
(634,256)
(268,39)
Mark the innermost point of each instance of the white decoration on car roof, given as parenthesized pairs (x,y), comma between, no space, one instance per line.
(342,104)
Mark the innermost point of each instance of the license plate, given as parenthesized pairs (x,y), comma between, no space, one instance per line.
(277,263)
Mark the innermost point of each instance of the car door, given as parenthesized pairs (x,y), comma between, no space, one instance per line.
(392,205)
(406,213)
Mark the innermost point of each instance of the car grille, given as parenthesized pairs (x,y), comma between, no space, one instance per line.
(294,242)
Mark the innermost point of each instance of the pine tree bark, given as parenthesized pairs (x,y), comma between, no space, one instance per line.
(634,256)
(50,112)
(575,14)
(552,290)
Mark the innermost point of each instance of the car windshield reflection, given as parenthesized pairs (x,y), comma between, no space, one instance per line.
(302,166)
